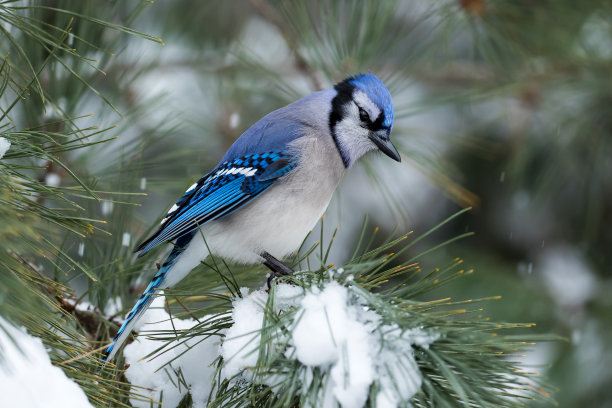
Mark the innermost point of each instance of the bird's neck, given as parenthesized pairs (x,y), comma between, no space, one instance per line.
(351,142)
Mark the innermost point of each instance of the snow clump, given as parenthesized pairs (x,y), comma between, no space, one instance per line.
(330,328)
(27,377)
(191,358)
(5,144)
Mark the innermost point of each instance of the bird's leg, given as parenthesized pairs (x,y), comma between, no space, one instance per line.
(277,267)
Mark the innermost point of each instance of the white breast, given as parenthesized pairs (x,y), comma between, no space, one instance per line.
(279,219)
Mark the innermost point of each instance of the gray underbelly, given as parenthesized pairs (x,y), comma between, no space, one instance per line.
(280,218)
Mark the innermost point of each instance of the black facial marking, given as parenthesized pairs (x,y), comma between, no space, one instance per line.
(363,115)
(344,96)
(378,123)
(368,124)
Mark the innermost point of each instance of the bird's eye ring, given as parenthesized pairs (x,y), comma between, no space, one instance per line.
(363,115)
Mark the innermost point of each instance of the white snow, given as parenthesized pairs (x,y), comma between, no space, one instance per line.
(234,120)
(113,306)
(240,347)
(194,364)
(5,144)
(288,296)
(353,371)
(396,367)
(27,377)
(125,239)
(336,332)
(82,305)
(332,328)
(107,207)
(53,180)
(321,328)
(567,276)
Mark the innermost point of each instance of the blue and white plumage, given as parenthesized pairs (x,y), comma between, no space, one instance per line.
(272,185)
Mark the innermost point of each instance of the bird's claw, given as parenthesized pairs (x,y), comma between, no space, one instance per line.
(278,268)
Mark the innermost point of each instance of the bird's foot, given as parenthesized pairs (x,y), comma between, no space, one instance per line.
(278,268)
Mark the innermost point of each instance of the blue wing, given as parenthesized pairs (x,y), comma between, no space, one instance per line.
(227,188)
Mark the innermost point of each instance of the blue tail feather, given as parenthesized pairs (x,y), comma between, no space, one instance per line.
(146,298)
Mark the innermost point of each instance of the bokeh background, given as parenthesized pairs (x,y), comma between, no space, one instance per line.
(504,107)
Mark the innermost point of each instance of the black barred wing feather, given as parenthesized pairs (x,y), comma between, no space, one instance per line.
(230,186)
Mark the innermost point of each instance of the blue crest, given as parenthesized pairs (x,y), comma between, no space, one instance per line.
(377,92)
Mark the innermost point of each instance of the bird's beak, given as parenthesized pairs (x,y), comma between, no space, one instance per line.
(382,141)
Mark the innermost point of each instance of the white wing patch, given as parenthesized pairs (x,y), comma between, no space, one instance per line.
(172,210)
(245,171)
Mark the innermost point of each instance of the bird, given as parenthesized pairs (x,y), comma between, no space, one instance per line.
(271,187)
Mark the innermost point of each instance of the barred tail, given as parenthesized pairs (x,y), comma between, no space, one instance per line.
(137,311)
(160,281)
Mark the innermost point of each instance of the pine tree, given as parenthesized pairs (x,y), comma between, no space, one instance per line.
(102,125)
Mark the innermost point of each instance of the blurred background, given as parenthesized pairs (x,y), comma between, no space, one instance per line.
(504,107)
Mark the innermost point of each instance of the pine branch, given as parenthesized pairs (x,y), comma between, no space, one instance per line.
(90,320)
(426,353)
(302,65)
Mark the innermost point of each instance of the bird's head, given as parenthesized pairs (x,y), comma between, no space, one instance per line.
(361,118)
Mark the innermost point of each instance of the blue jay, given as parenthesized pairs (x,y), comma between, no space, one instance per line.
(272,185)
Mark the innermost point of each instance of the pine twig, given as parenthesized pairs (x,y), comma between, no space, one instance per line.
(268,13)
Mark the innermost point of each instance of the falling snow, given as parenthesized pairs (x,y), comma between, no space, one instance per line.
(568,277)
(53,180)
(107,207)
(5,144)
(234,120)
(125,239)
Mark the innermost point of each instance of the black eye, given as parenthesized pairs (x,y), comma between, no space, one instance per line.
(363,115)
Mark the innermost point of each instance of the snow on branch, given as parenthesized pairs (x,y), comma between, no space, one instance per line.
(331,338)
(27,376)
(5,144)
(335,331)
